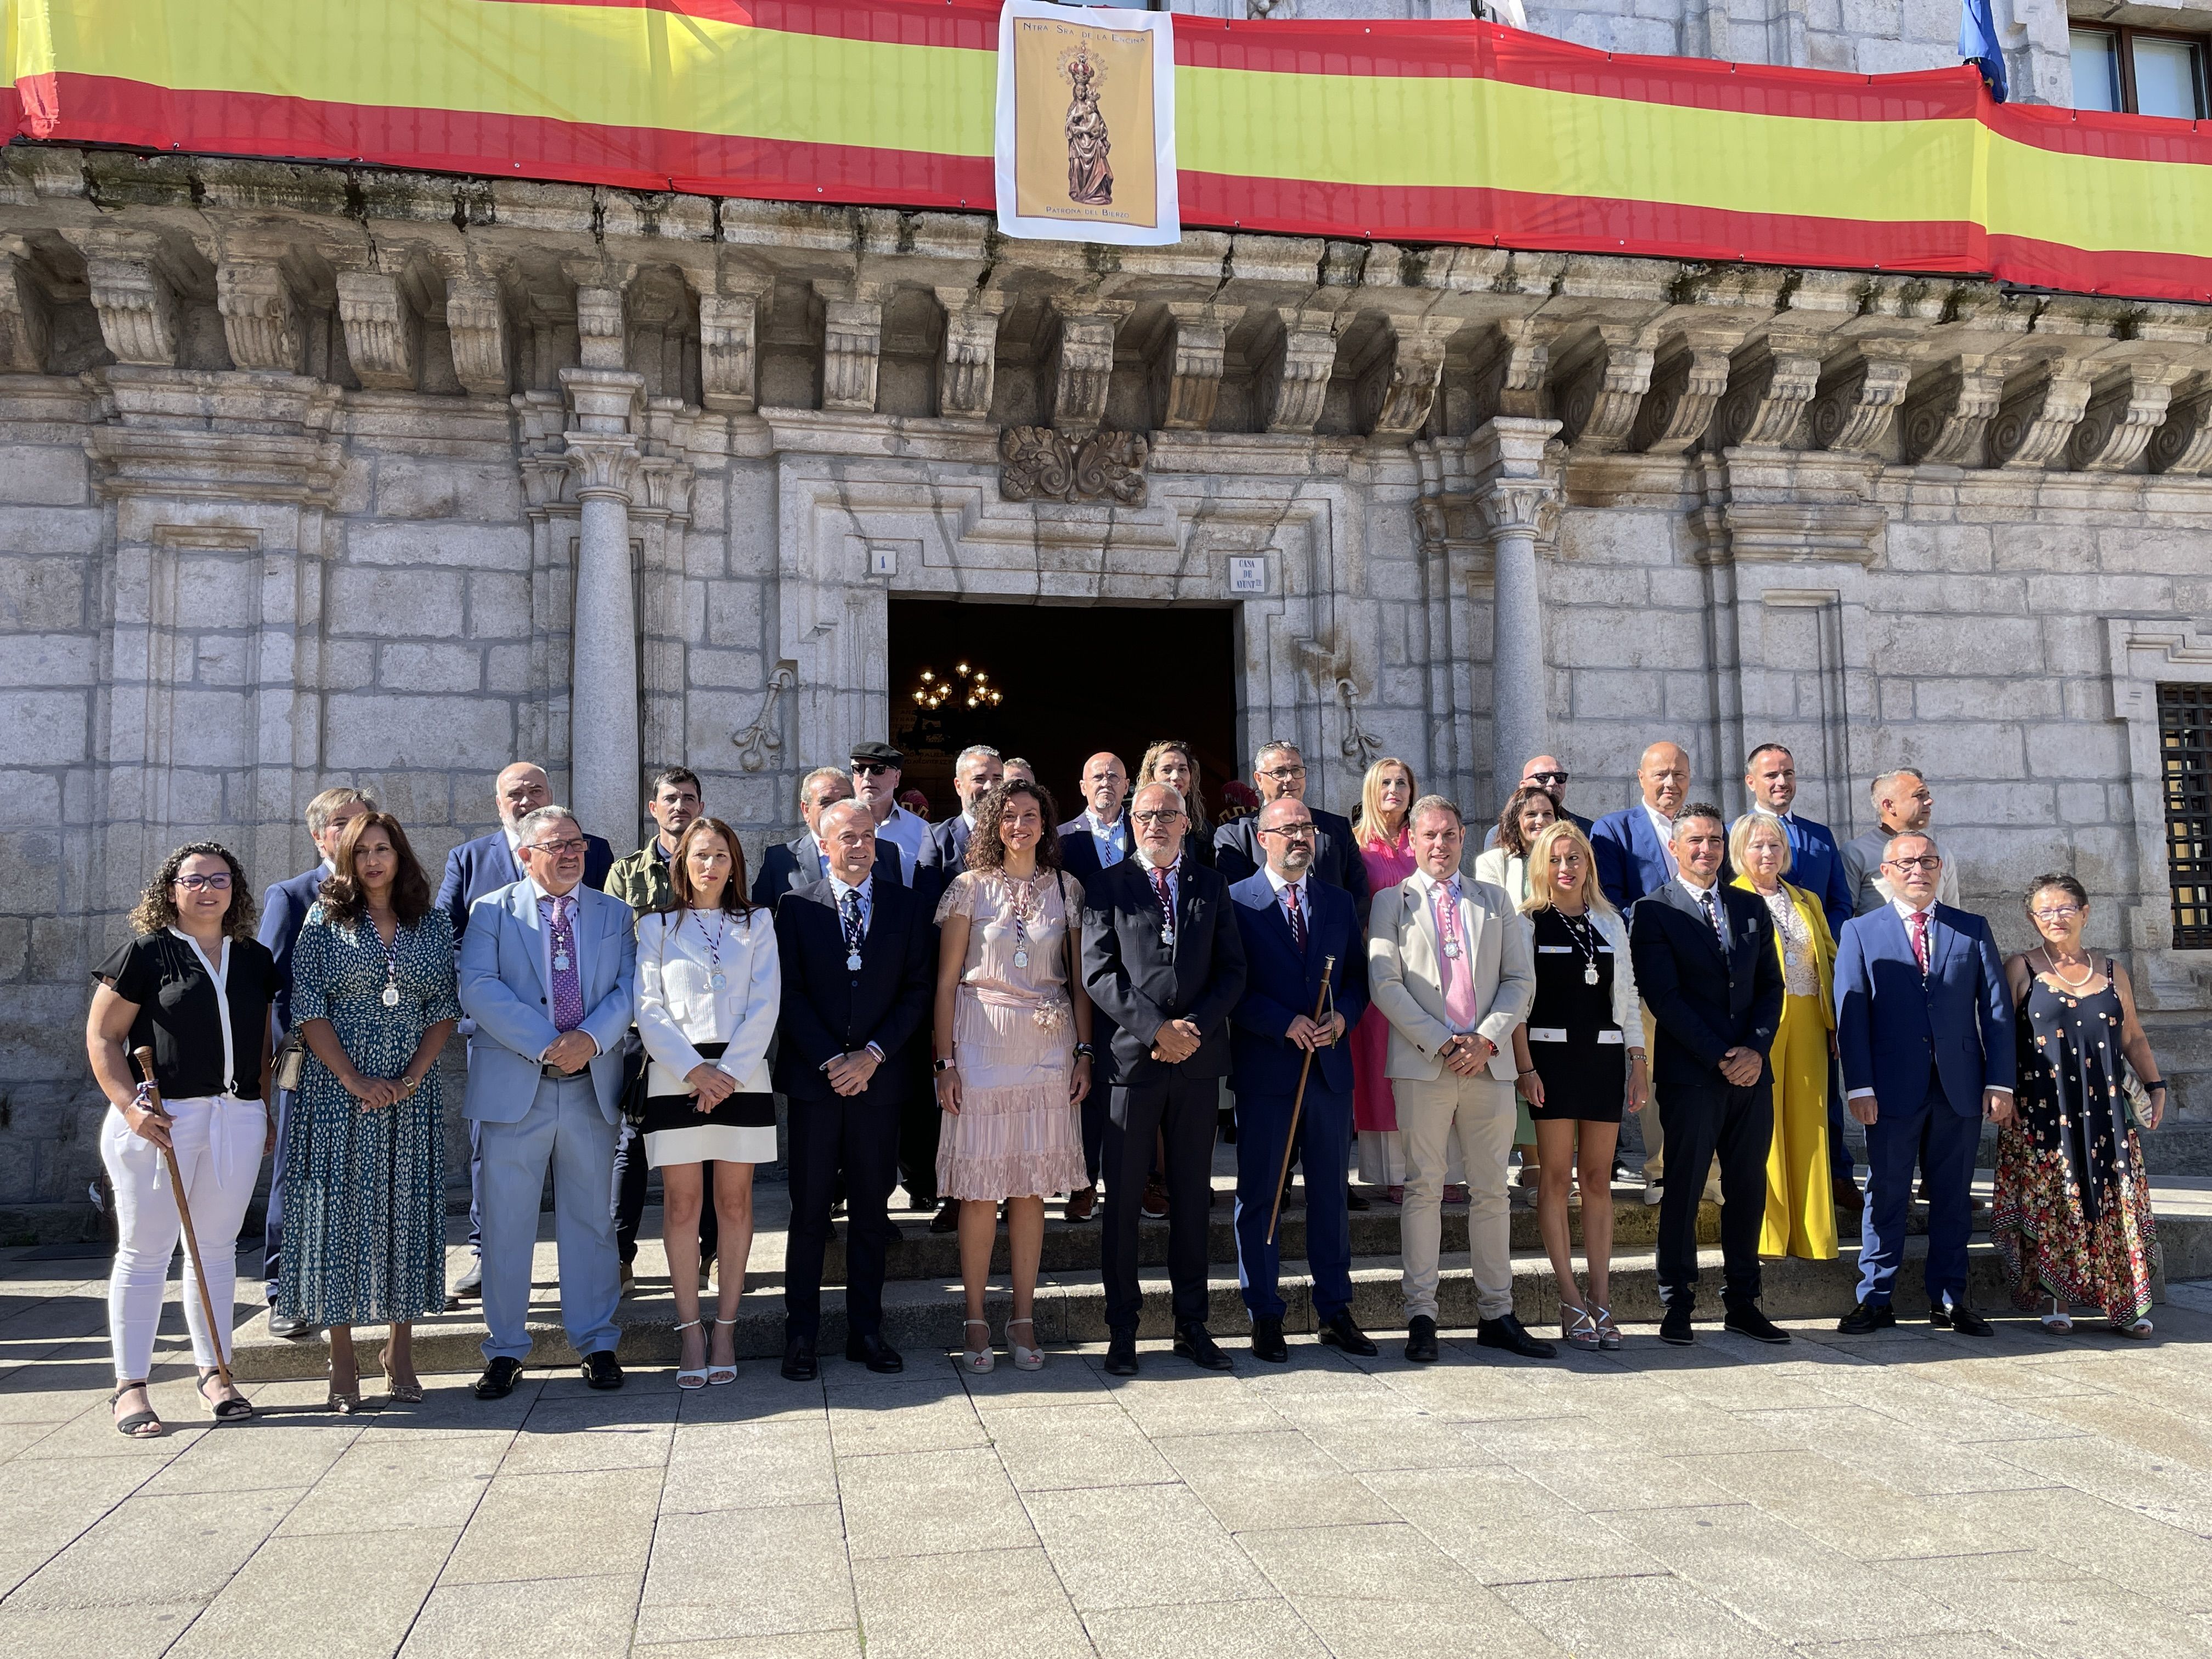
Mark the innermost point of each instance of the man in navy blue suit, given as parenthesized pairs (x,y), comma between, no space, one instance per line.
(1634,857)
(1291,925)
(284,908)
(1280,773)
(1098,836)
(1816,864)
(484,865)
(858,961)
(787,865)
(975,772)
(1706,965)
(1924,1023)
(1549,774)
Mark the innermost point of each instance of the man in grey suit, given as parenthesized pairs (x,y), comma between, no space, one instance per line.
(548,971)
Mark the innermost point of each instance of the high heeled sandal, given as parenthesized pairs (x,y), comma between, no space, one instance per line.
(978,1361)
(720,1377)
(690,1379)
(405,1393)
(1578,1327)
(344,1402)
(1025,1360)
(131,1424)
(223,1411)
(2056,1320)
(1608,1333)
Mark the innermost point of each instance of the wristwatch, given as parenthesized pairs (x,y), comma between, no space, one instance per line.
(942,1065)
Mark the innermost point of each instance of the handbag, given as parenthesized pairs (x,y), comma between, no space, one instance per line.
(291,1056)
(2138,1098)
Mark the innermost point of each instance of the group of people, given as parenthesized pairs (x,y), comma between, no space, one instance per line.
(1005,1008)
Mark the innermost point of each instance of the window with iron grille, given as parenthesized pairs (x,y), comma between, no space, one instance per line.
(2184,738)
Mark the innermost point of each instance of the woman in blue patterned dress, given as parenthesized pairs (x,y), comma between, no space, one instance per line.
(372,994)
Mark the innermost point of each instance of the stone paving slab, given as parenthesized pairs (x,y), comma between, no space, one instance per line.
(1919,1495)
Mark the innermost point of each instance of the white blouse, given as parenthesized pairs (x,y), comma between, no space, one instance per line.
(678,1006)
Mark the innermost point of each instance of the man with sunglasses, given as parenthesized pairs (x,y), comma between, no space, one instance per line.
(1548,774)
(1924,1025)
(876,770)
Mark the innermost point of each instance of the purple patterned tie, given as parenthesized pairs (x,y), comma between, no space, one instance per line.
(568,986)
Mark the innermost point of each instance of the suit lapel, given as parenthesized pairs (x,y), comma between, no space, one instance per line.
(524,911)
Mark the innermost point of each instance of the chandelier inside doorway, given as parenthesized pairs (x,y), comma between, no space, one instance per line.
(966,686)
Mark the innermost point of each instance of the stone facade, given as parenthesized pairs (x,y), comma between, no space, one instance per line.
(303,473)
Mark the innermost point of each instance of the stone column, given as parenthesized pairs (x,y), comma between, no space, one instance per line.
(602,451)
(1519,499)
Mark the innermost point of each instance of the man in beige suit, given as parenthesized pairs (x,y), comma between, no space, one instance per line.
(1449,964)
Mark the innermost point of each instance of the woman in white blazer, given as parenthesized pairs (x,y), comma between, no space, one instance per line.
(708,990)
(1580,1056)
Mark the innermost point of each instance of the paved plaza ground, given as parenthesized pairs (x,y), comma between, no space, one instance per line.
(1914,1494)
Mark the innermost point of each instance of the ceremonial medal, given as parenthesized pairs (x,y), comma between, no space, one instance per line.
(391,996)
(560,962)
(852,962)
(1451,947)
(719,980)
(1589,975)
(1021,958)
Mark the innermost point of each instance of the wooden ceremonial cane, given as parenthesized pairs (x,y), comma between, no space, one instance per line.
(145,1059)
(1297,1102)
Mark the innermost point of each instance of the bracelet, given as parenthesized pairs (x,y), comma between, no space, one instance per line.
(2151,1083)
(1084,1051)
(1526,1071)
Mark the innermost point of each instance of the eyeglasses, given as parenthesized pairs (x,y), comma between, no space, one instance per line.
(1291,831)
(575,844)
(2057,913)
(1166,815)
(1284,773)
(1926,861)
(205,883)
(869,769)
(1546,777)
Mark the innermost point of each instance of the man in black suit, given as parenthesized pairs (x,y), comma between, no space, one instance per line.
(1706,965)
(975,772)
(1162,959)
(1280,771)
(284,910)
(1098,836)
(1549,774)
(787,865)
(858,957)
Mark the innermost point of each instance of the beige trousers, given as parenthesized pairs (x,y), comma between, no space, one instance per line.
(1478,1111)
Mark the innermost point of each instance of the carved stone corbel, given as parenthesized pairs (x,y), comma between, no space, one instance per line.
(1855,406)
(1687,379)
(851,344)
(1079,365)
(601,331)
(1509,370)
(383,329)
(477,324)
(2182,446)
(260,315)
(1186,370)
(135,280)
(967,377)
(1395,390)
(23,312)
(1771,386)
(2124,410)
(2037,417)
(729,347)
(1947,412)
(1297,356)
(1597,387)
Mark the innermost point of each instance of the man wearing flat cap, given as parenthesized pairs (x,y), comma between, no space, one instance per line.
(876,768)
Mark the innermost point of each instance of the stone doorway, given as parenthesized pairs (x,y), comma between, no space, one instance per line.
(1072,680)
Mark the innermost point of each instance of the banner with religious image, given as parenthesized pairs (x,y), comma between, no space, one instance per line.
(1085,146)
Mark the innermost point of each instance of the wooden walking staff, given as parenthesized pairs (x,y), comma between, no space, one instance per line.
(1297,1102)
(145,1059)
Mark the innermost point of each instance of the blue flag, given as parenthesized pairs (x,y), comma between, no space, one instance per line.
(1977,45)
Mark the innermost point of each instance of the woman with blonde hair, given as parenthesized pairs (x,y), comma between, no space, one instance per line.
(1801,1204)
(1579,1055)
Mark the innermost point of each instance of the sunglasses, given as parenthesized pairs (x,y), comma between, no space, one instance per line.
(1547,777)
(869,769)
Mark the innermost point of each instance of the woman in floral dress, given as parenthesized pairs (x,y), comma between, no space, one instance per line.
(2072,1217)
(374,996)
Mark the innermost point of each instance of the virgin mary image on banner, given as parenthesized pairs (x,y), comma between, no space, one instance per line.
(1086,132)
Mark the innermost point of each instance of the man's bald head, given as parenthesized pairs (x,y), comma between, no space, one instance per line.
(1105,786)
(1547,772)
(520,790)
(1286,835)
(1663,775)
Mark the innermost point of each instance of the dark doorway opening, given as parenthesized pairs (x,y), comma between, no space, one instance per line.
(1070,681)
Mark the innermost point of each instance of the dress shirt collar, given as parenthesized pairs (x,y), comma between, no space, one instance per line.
(1111,829)
(1699,895)
(539,895)
(514,834)
(1906,909)
(866,889)
(1144,858)
(1660,821)
(1279,883)
(1430,883)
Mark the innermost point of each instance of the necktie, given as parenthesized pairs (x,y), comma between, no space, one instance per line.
(1920,939)
(1167,905)
(568,987)
(1713,921)
(850,910)
(1297,917)
(1460,1011)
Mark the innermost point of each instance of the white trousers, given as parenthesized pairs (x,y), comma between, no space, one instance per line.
(218,1142)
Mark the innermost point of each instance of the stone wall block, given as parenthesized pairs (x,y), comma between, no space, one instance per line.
(48,475)
(414,603)
(474,734)
(30,798)
(419,668)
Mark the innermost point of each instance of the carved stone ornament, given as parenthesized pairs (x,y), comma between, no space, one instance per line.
(1043,464)
(756,742)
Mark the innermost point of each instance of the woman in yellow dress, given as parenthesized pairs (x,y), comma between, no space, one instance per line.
(1801,1208)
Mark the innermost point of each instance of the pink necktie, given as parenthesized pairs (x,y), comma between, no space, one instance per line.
(1920,939)
(1297,917)
(1459,1007)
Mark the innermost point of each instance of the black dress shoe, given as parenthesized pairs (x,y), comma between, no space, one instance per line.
(1355,1199)
(1421,1339)
(799,1364)
(1749,1321)
(1340,1333)
(1508,1333)
(471,1283)
(1847,1195)
(1674,1328)
(1196,1344)
(1959,1317)
(289,1330)
(601,1370)
(1122,1354)
(1866,1319)
(499,1378)
(1268,1342)
(947,1219)
(877,1355)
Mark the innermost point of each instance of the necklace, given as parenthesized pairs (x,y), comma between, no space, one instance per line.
(2088,972)
(1586,943)
(715,977)
(1021,900)
(390,994)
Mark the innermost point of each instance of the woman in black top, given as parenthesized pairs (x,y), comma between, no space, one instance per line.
(194,986)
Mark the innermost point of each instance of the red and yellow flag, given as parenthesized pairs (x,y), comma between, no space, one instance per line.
(1414,132)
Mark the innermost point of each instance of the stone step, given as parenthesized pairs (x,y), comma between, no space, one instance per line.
(924,1317)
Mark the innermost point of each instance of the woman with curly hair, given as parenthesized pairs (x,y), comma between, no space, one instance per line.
(196,987)
(374,998)
(1013,1049)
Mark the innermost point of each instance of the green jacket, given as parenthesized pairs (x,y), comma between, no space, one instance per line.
(642,881)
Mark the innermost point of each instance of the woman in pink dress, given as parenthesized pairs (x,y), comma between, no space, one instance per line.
(1386,848)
